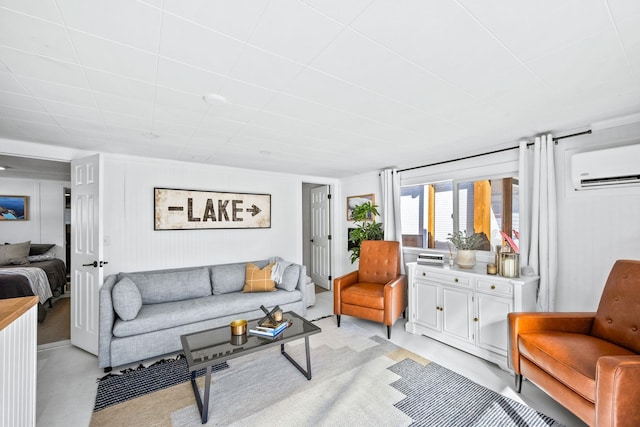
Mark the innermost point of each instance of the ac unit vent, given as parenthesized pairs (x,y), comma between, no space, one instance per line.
(611,167)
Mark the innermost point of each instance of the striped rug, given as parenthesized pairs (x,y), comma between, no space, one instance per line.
(358,380)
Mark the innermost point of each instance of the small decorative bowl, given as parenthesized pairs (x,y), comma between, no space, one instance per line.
(238,327)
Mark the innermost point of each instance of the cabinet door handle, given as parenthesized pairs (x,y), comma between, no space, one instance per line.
(475,319)
(493,286)
(455,280)
(424,274)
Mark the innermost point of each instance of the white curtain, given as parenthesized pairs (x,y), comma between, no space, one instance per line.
(390,207)
(538,217)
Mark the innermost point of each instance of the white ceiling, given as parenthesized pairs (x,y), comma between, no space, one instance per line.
(314,87)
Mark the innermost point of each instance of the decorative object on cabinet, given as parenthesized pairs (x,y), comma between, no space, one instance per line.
(510,264)
(466,245)
(467,309)
(14,208)
(377,291)
(366,229)
(193,209)
(587,362)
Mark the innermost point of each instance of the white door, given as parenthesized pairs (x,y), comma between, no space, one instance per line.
(320,236)
(456,312)
(428,303)
(86,251)
(493,329)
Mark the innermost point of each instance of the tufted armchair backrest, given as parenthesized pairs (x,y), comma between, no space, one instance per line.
(379,261)
(618,316)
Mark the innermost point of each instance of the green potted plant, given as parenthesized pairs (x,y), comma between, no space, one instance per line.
(466,246)
(367,228)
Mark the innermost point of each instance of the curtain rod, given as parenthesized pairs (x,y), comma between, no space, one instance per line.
(555,140)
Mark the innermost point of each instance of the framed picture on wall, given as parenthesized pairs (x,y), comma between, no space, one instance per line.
(14,208)
(354,201)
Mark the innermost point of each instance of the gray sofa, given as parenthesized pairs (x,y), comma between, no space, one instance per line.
(143,314)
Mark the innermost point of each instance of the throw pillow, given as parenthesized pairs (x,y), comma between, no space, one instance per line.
(15,253)
(290,278)
(40,248)
(258,280)
(127,300)
(49,255)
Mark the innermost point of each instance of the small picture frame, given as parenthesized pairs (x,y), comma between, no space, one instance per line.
(354,201)
(14,208)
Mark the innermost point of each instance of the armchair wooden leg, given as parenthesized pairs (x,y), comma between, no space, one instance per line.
(388,332)
(338,319)
(518,382)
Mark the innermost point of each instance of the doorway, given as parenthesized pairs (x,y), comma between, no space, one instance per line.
(316,235)
(56,326)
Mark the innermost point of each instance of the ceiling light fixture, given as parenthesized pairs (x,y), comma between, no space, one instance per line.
(214,99)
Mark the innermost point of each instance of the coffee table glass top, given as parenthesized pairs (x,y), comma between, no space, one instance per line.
(218,345)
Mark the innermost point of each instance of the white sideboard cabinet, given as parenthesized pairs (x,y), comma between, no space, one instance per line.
(467,309)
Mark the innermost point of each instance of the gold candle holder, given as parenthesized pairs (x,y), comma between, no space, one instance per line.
(238,327)
(510,264)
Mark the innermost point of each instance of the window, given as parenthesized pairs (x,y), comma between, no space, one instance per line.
(430,212)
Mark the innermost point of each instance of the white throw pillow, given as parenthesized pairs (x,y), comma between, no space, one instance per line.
(127,300)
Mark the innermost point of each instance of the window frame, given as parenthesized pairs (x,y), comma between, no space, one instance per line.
(504,164)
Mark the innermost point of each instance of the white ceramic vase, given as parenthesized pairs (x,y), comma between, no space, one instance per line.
(466,258)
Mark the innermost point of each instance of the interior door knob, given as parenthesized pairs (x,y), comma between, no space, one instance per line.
(93,264)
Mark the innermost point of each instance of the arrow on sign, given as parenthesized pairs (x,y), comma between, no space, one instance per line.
(254,210)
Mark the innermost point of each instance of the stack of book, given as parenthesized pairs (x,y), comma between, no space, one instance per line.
(269,329)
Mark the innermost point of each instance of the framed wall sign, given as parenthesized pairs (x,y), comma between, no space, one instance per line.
(14,208)
(194,209)
(353,201)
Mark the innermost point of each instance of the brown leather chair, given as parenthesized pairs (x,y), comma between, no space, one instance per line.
(376,291)
(588,362)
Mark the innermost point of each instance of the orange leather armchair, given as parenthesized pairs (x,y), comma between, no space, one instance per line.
(588,362)
(376,291)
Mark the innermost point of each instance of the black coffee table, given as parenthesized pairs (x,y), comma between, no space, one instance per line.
(213,346)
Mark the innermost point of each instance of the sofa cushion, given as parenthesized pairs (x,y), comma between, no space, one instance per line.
(569,358)
(127,300)
(15,254)
(258,279)
(171,285)
(155,317)
(289,278)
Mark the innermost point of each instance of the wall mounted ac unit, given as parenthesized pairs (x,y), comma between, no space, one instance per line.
(608,168)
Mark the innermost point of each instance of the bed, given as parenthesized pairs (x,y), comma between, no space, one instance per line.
(36,262)
(55,269)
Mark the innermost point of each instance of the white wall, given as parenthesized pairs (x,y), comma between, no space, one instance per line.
(131,244)
(46,213)
(595,227)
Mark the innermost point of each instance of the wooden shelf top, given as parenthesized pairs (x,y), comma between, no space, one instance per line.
(12,308)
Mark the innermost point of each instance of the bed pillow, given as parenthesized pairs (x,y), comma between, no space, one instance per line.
(127,300)
(40,248)
(15,254)
(49,255)
(258,280)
